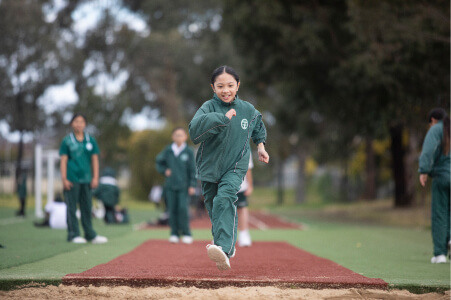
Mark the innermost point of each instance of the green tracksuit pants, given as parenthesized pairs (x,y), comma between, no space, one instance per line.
(177,202)
(80,194)
(220,201)
(440,214)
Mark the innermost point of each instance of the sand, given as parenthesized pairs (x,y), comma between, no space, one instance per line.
(125,292)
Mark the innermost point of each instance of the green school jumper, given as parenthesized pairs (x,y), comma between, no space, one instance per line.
(223,160)
(80,174)
(437,165)
(176,186)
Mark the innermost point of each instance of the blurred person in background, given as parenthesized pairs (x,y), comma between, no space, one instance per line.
(246,189)
(435,163)
(79,168)
(22,191)
(55,214)
(108,192)
(176,163)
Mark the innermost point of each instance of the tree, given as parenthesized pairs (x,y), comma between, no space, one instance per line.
(290,47)
(400,55)
(30,61)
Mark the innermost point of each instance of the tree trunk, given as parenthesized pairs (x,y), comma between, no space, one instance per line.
(344,184)
(370,170)
(280,180)
(300,187)
(412,165)
(172,105)
(402,198)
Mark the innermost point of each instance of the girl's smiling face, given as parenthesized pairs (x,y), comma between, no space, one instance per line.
(225,87)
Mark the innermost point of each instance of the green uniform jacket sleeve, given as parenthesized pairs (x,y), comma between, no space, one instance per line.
(192,170)
(259,132)
(432,141)
(206,124)
(161,163)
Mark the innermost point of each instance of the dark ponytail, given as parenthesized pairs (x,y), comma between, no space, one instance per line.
(445,142)
(441,115)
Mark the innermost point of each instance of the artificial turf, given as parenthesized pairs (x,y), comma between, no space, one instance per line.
(399,256)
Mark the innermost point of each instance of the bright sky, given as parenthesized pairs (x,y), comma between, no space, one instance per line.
(62,96)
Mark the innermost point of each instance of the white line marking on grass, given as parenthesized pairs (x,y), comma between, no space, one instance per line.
(9,221)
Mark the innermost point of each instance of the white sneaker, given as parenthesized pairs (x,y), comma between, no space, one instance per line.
(244,239)
(187,239)
(99,240)
(439,259)
(216,254)
(173,239)
(79,240)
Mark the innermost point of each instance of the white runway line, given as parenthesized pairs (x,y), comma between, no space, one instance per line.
(256,222)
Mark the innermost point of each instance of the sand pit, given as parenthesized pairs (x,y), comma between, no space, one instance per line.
(125,292)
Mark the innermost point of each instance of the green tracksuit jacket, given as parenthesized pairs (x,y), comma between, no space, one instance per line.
(432,160)
(182,168)
(225,143)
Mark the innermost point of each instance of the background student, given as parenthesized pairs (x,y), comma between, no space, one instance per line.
(435,163)
(176,163)
(79,168)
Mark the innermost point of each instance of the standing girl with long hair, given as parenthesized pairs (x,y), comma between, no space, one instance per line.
(435,163)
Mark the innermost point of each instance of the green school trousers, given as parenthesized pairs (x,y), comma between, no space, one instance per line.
(80,194)
(177,202)
(440,214)
(220,201)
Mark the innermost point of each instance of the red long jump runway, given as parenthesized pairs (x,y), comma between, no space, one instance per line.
(159,263)
(257,220)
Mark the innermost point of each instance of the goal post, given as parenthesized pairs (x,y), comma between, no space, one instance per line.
(51,157)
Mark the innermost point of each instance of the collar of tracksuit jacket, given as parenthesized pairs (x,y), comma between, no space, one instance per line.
(226,104)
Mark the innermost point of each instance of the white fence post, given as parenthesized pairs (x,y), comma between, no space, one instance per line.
(38,177)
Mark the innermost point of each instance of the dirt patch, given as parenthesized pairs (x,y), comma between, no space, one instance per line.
(125,292)
(159,263)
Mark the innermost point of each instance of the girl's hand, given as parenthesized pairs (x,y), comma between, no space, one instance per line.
(168,172)
(67,184)
(230,114)
(191,191)
(94,182)
(263,156)
(423,179)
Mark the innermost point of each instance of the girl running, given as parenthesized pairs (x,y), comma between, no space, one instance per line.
(224,126)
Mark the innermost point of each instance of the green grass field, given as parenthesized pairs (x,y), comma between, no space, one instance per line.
(398,254)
